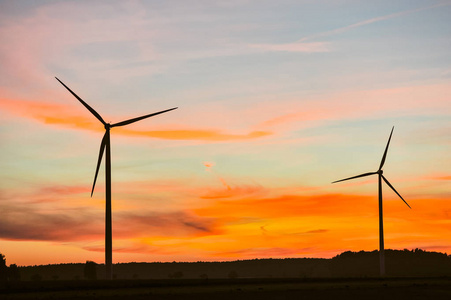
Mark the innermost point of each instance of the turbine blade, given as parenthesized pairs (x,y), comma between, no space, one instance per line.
(388,183)
(84,103)
(361,175)
(140,118)
(102,149)
(386,150)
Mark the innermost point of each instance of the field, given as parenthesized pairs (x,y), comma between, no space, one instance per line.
(243,288)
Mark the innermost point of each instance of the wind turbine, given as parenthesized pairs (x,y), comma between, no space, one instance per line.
(105,147)
(381,177)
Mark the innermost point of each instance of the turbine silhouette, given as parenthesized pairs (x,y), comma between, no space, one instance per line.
(105,147)
(381,223)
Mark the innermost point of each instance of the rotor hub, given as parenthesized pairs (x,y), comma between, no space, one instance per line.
(380,172)
(107,126)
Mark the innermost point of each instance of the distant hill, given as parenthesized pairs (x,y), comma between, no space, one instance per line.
(399,263)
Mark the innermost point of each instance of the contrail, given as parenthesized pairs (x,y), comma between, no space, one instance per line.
(370,21)
(209,166)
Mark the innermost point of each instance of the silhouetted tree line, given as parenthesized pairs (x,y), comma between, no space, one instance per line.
(90,270)
(399,263)
(8,274)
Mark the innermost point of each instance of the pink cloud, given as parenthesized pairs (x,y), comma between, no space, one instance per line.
(294,47)
(348,105)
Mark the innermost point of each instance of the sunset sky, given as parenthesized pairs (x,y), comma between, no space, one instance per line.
(276,100)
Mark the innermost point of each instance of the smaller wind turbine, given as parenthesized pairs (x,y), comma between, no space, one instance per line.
(381,222)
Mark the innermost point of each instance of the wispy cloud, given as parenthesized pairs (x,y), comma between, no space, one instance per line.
(347,105)
(303,46)
(228,190)
(32,223)
(18,222)
(294,47)
(178,224)
(370,21)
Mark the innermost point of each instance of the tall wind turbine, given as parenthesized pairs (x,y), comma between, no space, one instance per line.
(379,172)
(105,147)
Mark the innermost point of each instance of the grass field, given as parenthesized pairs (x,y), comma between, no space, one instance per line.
(393,288)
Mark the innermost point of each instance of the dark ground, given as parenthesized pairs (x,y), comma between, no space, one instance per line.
(336,289)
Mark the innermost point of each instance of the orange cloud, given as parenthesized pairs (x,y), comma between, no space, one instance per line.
(323,225)
(51,113)
(233,191)
(289,206)
(203,135)
(442,177)
(238,224)
(208,164)
(66,116)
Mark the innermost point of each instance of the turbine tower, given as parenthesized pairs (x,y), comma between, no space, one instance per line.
(381,177)
(105,147)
